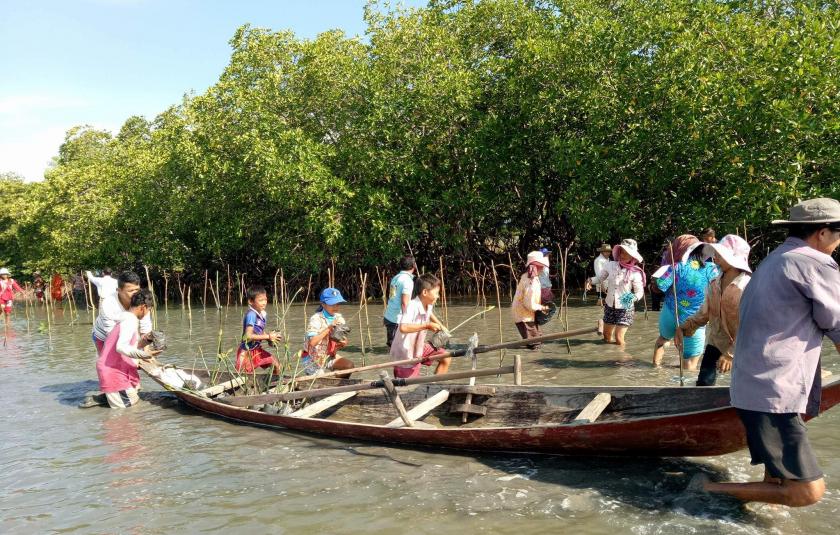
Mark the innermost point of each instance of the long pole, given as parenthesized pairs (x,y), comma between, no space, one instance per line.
(676,310)
(247,401)
(456,353)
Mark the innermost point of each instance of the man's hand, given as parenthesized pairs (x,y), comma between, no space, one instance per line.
(724,363)
(688,330)
(434,326)
(588,285)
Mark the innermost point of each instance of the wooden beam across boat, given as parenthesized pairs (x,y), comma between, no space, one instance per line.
(248,401)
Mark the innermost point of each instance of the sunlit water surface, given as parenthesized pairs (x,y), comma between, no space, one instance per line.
(163,468)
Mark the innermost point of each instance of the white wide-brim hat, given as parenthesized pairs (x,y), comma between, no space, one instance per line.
(734,250)
(630,247)
(4,271)
(538,258)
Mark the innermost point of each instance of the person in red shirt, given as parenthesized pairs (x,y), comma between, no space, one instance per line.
(8,287)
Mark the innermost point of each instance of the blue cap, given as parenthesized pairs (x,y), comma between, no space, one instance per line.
(331,296)
(544,251)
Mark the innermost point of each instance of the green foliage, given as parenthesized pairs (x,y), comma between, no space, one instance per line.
(464,128)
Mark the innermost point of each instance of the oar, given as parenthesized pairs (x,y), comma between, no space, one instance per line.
(455,353)
(247,401)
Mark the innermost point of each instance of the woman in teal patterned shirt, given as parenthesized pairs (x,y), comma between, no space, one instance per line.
(692,275)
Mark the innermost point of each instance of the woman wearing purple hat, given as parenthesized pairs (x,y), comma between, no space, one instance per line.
(720,308)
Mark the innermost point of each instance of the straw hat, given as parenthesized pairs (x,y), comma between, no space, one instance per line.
(813,211)
(630,247)
(605,248)
(733,249)
(538,258)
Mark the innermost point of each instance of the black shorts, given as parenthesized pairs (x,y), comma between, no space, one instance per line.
(780,443)
(390,331)
(622,317)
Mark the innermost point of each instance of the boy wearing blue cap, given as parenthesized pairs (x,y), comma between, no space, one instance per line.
(324,337)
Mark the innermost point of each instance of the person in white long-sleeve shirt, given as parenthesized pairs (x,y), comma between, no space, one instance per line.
(114,305)
(599,264)
(105,285)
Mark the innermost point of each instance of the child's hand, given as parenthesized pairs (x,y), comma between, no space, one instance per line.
(274,337)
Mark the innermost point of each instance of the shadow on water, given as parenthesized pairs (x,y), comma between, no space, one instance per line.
(72,393)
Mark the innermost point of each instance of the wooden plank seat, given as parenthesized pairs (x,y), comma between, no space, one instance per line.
(593,409)
(422,409)
(320,406)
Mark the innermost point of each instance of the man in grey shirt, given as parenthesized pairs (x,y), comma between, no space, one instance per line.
(791,303)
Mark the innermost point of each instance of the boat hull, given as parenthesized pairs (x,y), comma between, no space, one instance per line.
(715,431)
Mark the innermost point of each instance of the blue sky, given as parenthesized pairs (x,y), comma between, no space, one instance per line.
(97,62)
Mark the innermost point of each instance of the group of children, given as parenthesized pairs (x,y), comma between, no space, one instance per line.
(409,316)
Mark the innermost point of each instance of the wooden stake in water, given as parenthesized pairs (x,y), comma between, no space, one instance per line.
(499,306)
(166,293)
(189,307)
(443,291)
(204,298)
(676,310)
(154,299)
(306,301)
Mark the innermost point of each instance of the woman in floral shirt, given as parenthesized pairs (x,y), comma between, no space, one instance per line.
(693,275)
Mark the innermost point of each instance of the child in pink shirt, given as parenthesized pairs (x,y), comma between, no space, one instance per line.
(120,355)
(410,338)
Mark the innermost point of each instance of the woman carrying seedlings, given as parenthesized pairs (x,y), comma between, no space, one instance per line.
(528,299)
(625,281)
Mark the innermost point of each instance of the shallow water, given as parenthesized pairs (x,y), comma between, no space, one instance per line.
(161,467)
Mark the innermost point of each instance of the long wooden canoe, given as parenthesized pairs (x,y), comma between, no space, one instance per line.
(636,421)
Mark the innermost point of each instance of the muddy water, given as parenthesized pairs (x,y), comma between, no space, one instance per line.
(163,468)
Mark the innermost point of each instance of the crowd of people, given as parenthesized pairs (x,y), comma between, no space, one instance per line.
(765,327)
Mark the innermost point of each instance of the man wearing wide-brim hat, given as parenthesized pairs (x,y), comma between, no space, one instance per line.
(791,303)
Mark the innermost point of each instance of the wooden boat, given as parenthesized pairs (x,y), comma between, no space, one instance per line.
(636,421)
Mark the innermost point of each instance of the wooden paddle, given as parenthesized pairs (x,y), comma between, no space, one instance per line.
(455,353)
(247,401)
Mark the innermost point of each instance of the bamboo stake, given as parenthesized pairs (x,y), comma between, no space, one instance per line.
(564,309)
(676,310)
(443,291)
(189,307)
(204,298)
(361,308)
(306,301)
(166,293)
(276,301)
(154,299)
(367,316)
(499,306)
(512,284)
(284,296)
(228,285)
